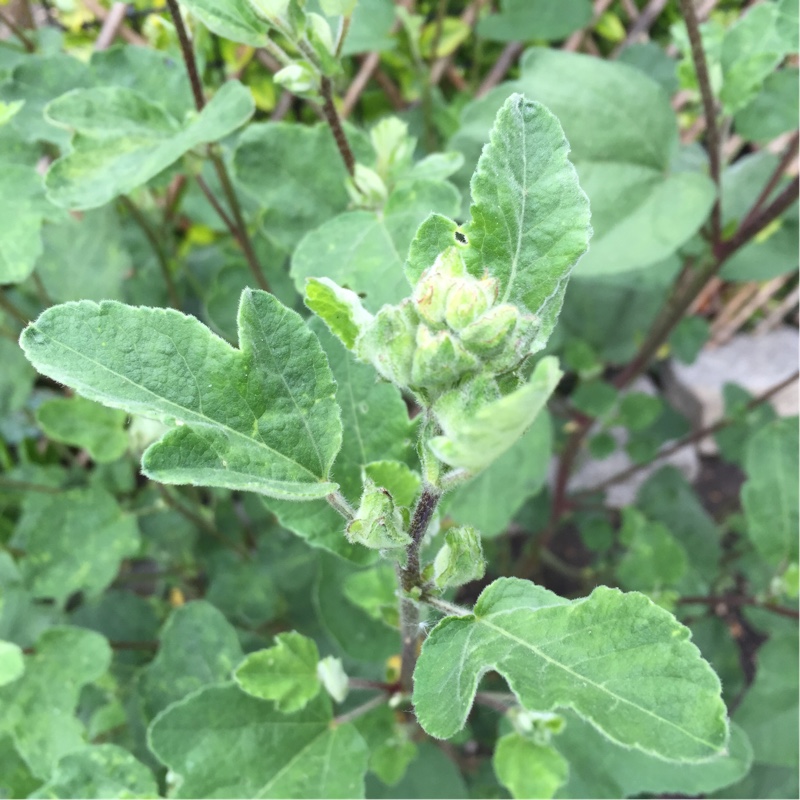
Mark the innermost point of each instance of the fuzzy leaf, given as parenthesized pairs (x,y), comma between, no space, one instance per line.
(197,647)
(73,541)
(530,218)
(770,496)
(528,769)
(285,673)
(618,660)
(262,418)
(37,710)
(122,139)
(225,743)
(83,423)
(104,770)
(548,20)
(340,309)
(231,19)
(473,441)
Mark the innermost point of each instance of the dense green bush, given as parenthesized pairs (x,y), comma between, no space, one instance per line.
(290,403)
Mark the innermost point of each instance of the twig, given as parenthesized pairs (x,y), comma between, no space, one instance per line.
(372,703)
(363,683)
(26,42)
(10,308)
(723,602)
(359,83)
(332,118)
(152,237)
(111,26)
(573,44)
(709,111)
(124,32)
(188,55)
(221,212)
(468,17)
(506,59)
(761,296)
(641,24)
(689,439)
(773,319)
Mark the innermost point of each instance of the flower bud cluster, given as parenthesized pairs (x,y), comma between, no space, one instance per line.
(452,327)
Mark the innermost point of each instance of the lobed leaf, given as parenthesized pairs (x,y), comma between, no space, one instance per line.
(261,418)
(528,769)
(621,662)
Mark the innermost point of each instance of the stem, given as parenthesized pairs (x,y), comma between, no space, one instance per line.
(709,111)
(221,212)
(11,309)
(188,55)
(344,27)
(691,438)
(240,234)
(27,43)
(142,221)
(359,711)
(335,123)
(200,521)
(339,503)
(496,700)
(409,637)
(45,298)
(448,609)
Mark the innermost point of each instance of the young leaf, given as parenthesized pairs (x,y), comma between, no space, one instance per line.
(262,418)
(197,647)
(528,769)
(530,218)
(285,673)
(73,541)
(123,139)
(83,423)
(340,309)
(621,662)
(231,19)
(473,440)
(770,496)
(225,743)
(103,770)
(12,664)
(37,710)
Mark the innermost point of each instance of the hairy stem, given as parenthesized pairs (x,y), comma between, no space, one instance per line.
(152,238)
(448,609)
(359,711)
(335,124)
(338,502)
(709,111)
(188,55)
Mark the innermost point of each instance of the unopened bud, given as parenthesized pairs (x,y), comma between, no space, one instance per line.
(378,524)
(430,293)
(298,78)
(517,347)
(461,558)
(366,188)
(467,299)
(488,334)
(439,359)
(389,341)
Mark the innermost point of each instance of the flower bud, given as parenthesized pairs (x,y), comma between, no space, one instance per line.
(467,299)
(378,524)
(489,333)
(439,359)
(517,346)
(461,558)
(430,293)
(298,78)
(366,188)
(389,341)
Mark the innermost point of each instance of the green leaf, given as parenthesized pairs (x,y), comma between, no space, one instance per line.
(390,744)
(197,647)
(261,418)
(688,338)
(651,59)
(23,209)
(528,769)
(231,19)
(375,591)
(402,483)
(490,500)
(16,377)
(11,662)
(595,398)
(638,410)
(602,769)
(37,710)
(524,20)
(770,495)
(653,560)
(73,541)
(621,662)
(530,218)
(371,27)
(104,770)
(86,258)
(365,250)
(376,426)
(769,712)
(751,50)
(774,110)
(285,673)
(225,743)
(340,309)
(473,441)
(431,774)
(122,139)
(641,210)
(296,175)
(83,423)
